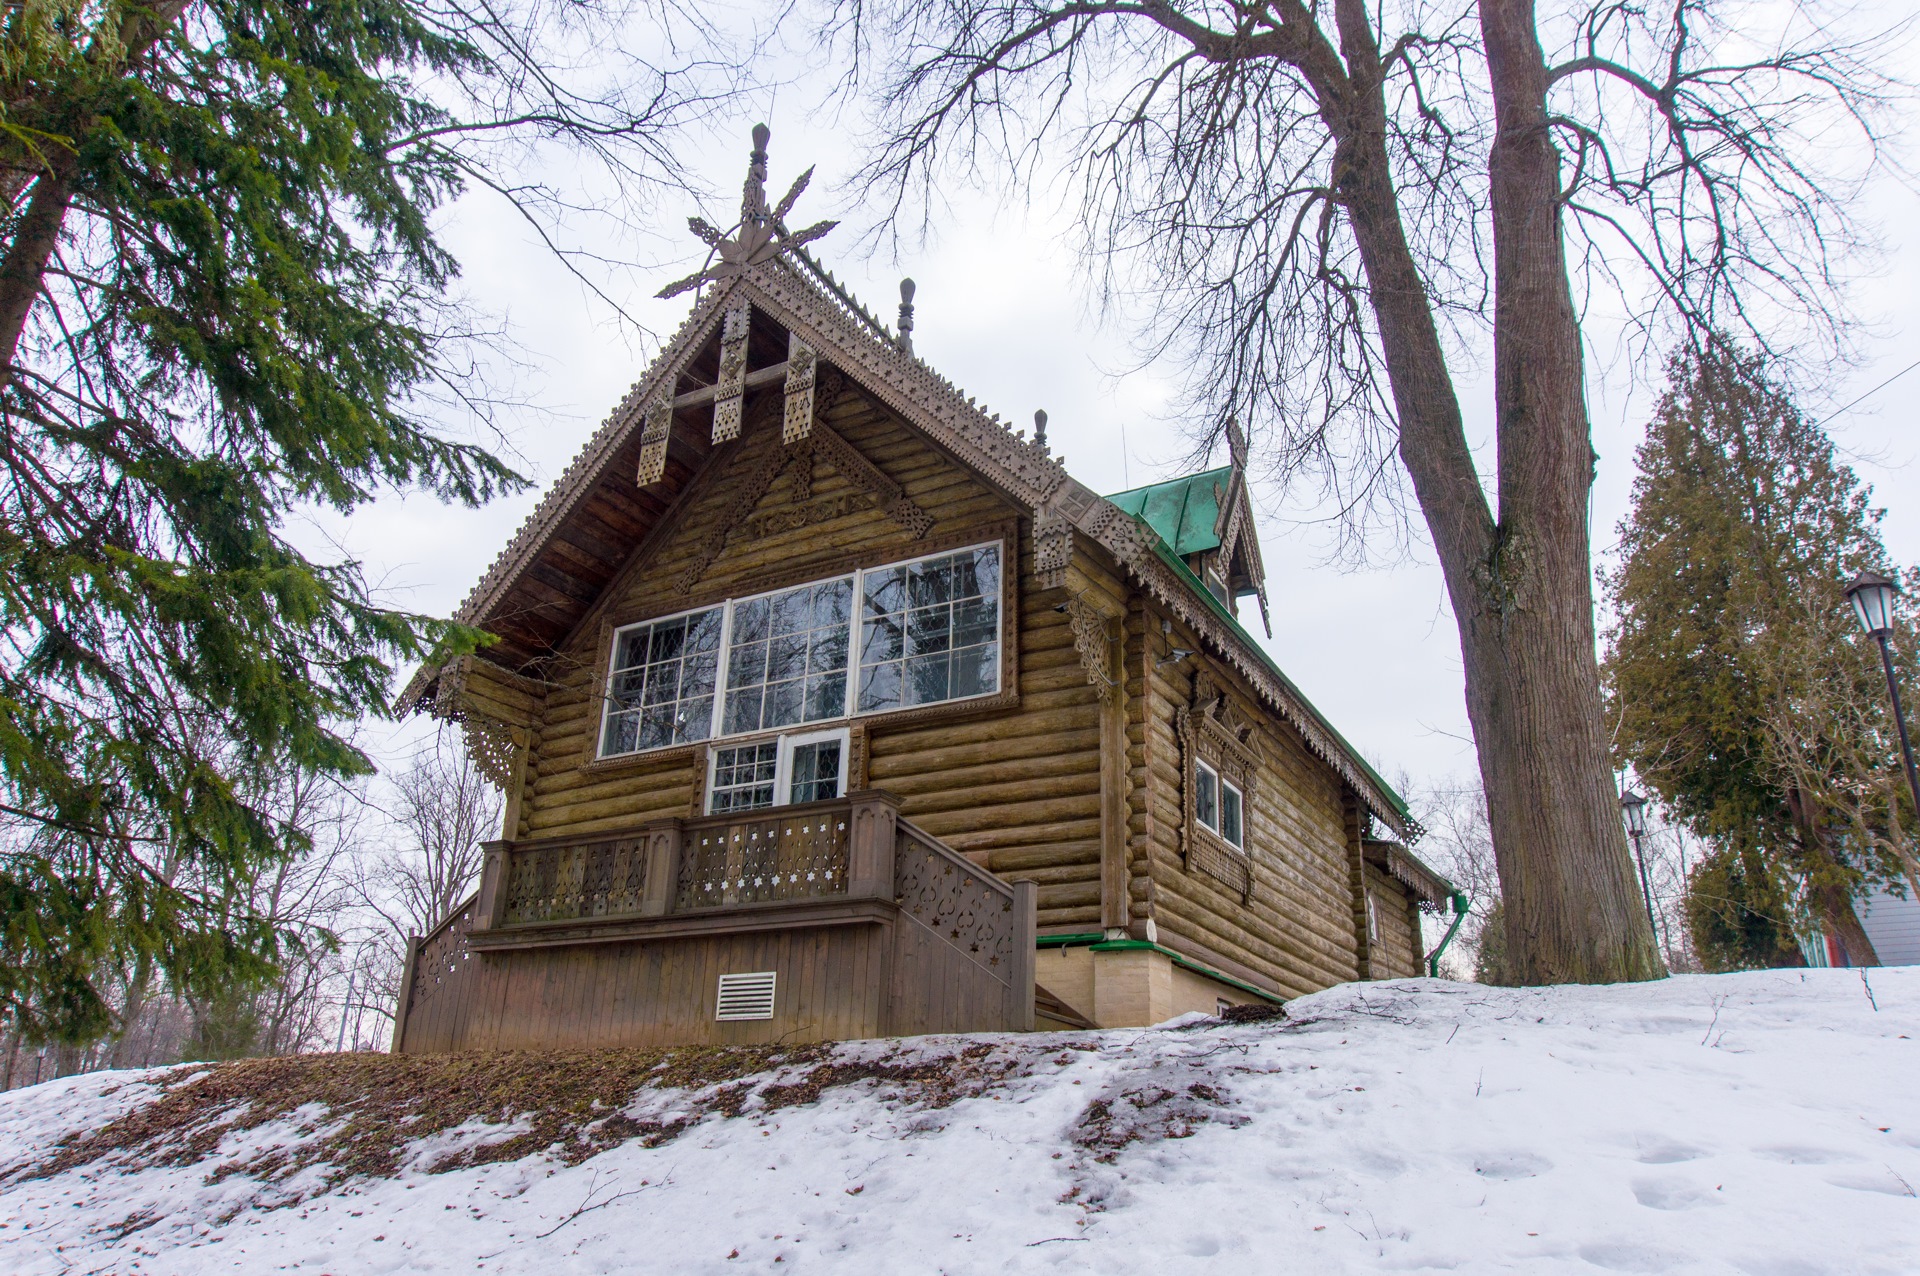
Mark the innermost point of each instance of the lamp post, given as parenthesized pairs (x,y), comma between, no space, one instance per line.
(1872,598)
(1634,807)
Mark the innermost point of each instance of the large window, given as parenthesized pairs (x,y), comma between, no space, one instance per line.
(926,631)
(787,657)
(661,689)
(930,631)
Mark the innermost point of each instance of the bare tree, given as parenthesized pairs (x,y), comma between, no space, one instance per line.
(442,810)
(1317,198)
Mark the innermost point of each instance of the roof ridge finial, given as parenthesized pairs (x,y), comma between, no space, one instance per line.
(905,340)
(1236,443)
(753,197)
(1040,428)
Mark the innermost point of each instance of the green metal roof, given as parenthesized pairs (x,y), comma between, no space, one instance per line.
(1183,512)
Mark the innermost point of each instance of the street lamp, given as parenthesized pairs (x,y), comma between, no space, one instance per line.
(1634,807)
(1872,598)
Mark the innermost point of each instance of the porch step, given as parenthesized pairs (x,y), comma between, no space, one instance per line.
(1049,1012)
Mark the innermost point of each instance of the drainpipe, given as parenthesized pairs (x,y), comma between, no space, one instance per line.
(1460,906)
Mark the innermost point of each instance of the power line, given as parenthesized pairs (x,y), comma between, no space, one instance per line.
(1869,394)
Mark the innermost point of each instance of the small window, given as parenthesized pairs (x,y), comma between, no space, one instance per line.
(1206,797)
(817,770)
(745,996)
(744,777)
(1220,1007)
(802,767)
(1218,806)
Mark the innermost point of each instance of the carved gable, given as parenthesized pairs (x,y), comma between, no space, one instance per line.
(768,508)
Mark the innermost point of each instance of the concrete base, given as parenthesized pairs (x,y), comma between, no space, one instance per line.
(1130,987)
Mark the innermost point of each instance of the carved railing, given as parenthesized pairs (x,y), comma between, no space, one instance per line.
(435,963)
(853,861)
(962,903)
(565,881)
(800,853)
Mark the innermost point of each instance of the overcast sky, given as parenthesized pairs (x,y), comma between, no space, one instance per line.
(1002,313)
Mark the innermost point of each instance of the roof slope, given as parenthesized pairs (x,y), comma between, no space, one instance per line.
(1183,512)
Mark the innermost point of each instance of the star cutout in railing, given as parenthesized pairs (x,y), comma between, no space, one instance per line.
(761,234)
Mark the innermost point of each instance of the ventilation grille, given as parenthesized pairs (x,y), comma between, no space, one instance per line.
(747,996)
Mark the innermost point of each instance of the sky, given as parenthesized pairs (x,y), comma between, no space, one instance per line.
(1003,311)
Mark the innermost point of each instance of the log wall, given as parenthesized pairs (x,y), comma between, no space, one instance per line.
(1399,952)
(1294,932)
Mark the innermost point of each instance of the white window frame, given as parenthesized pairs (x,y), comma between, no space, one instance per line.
(1222,785)
(726,650)
(719,688)
(787,742)
(855,622)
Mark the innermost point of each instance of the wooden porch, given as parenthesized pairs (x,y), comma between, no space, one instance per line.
(868,926)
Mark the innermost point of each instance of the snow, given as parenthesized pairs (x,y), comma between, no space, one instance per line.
(1764,1123)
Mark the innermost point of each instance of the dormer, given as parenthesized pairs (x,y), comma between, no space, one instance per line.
(1206,520)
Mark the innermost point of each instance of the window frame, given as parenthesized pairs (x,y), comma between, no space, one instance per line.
(608,673)
(785,742)
(1005,670)
(1222,786)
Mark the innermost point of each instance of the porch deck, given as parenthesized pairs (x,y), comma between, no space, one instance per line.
(869,926)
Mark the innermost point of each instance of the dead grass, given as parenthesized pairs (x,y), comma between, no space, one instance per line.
(363,1115)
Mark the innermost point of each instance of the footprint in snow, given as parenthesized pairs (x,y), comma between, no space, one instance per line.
(1517,1165)
(1671,1194)
(1885,1182)
(1616,1257)
(1664,1153)
(1804,1155)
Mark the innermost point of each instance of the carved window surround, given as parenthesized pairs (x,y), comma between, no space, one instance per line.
(1211,731)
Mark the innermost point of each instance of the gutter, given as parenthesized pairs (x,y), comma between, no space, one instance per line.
(1460,905)
(1099,943)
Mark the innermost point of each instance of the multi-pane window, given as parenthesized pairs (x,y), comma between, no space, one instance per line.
(815,770)
(926,631)
(661,690)
(801,767)
(787,657)
(930,630)
(1218,805)
(744,777)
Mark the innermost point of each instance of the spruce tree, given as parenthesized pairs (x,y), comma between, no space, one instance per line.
(222,300)
(1741,689)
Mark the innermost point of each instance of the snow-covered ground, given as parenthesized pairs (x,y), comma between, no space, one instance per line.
(1760,1123)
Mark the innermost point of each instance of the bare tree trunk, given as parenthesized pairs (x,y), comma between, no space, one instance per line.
(1521,587)
(1827,887)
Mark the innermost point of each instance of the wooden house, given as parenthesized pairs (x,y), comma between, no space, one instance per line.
(828,705)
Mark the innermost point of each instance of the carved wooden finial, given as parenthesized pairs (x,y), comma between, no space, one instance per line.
(906,316)
(1040,428)
(753,198)
(1236,443)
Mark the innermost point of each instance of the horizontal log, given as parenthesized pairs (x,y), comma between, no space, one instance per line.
(1027,835)
(771,374)
(926,776)
(932,751)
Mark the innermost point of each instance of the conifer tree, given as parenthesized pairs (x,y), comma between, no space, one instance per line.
(1741,688)
(222,299)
